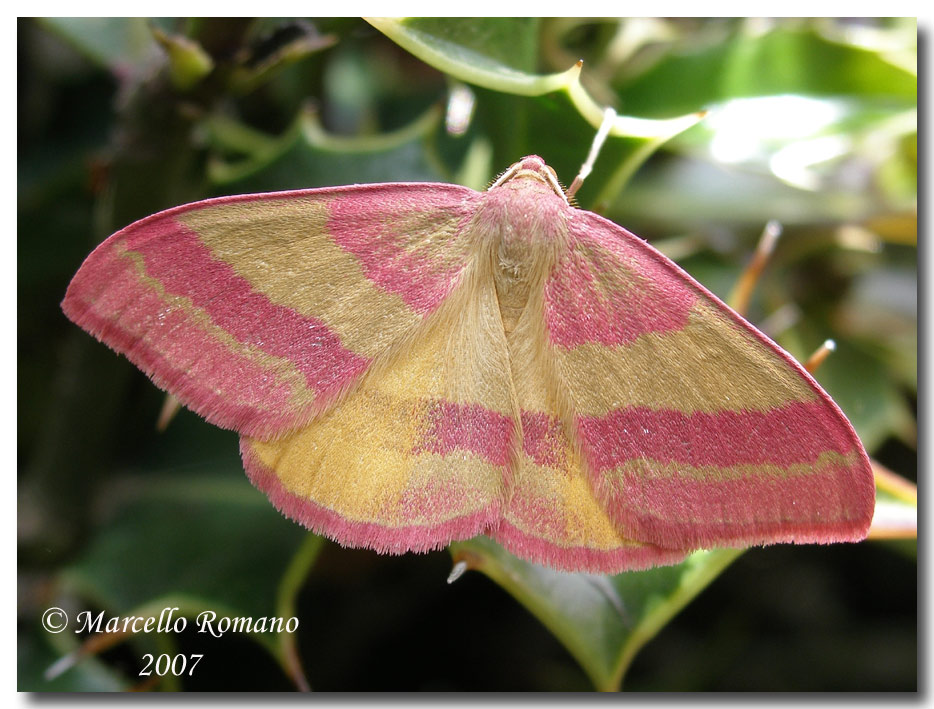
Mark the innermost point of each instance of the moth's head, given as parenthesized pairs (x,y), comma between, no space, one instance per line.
(532,167)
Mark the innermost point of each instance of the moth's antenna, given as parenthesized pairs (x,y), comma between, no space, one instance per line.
(609,115)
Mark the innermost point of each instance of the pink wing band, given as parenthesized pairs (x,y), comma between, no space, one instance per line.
(128,300)
(608,291)
(174,255)
(798,432)
(682,479)
(468,427)
(681,512)
(408,263)
(543,439)
(156,292)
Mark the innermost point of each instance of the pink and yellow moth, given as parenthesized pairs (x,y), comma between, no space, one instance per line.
(412,364)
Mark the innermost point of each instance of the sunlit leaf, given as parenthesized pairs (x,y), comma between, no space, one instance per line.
(761,62)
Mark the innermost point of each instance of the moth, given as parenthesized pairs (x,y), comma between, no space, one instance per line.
(409,364)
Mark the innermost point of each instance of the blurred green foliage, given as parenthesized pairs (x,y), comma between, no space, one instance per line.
(812,122)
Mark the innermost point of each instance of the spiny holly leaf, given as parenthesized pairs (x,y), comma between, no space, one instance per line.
(308,156)
(601,620)
(477,58)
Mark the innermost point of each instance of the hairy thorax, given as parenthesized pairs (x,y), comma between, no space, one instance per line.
(523,224)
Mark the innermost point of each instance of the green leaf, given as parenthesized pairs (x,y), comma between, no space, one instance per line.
(225,544)
(783,60)
(307,156)
(476,51)
(543,126)
(36,651)
(501,44)
(602,620)
(285,44)
(439,44)
(113,42)
(188,62)
(226,550)
(697,191)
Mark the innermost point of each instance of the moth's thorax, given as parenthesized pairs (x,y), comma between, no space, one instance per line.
(522,221)
(532,167)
